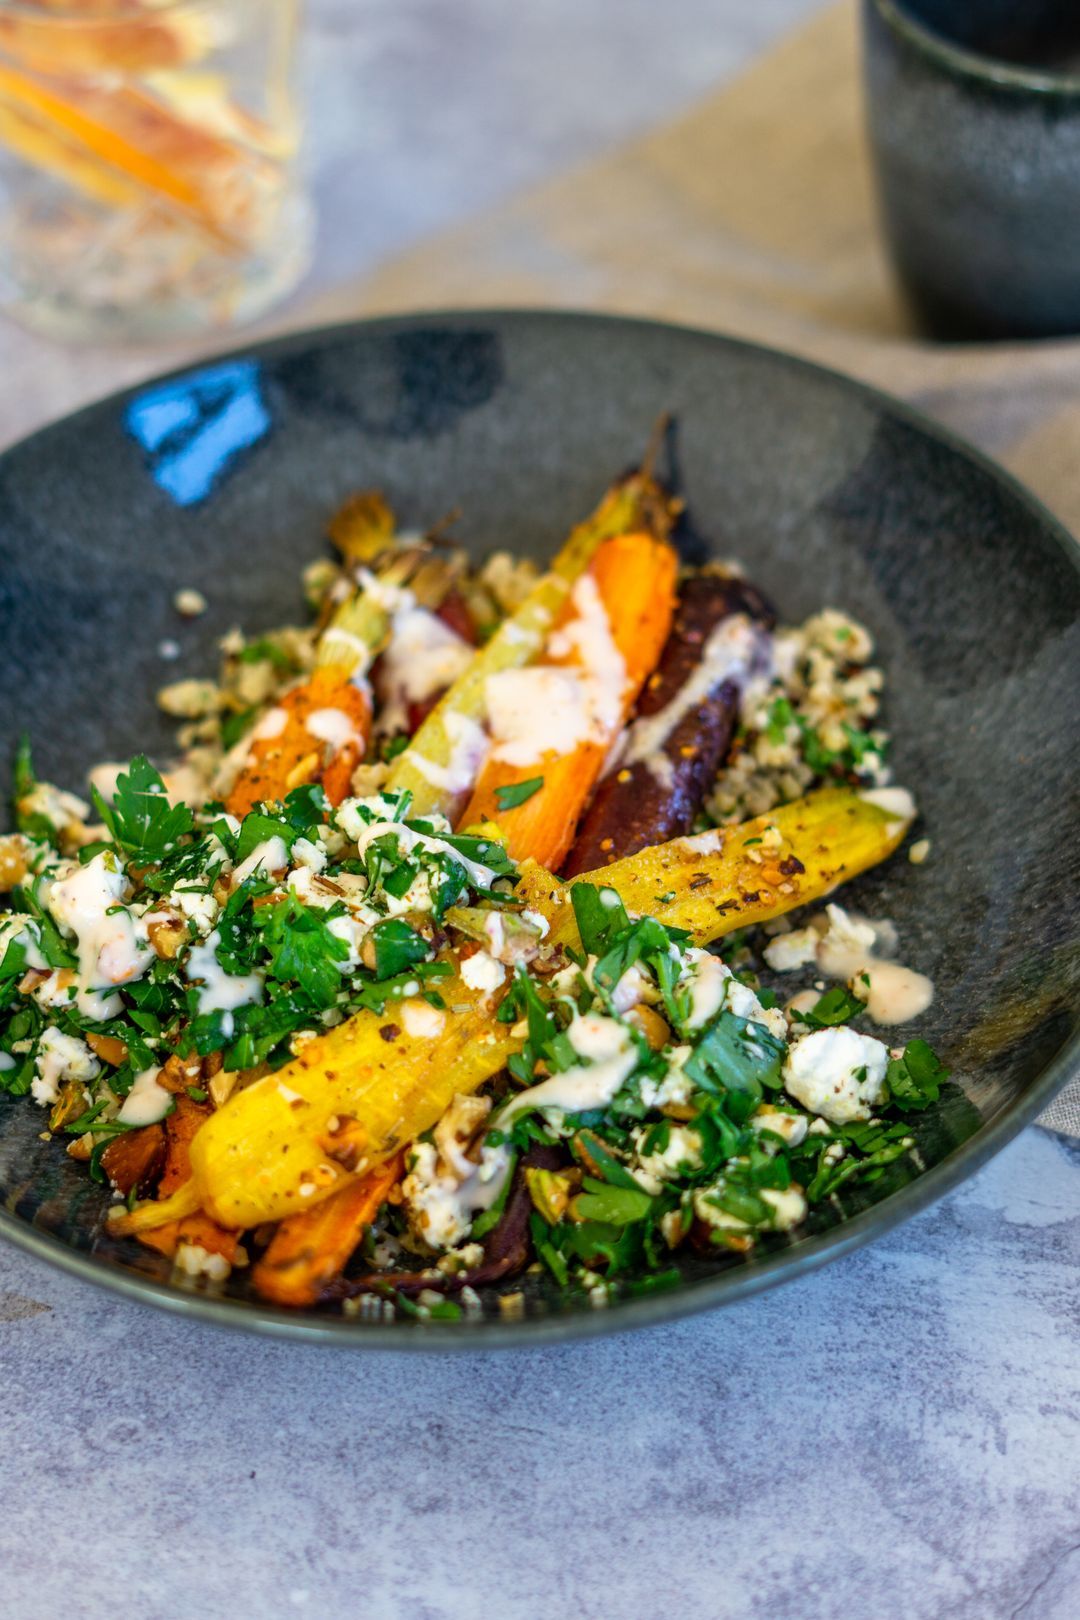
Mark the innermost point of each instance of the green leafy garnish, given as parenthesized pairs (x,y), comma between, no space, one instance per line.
(140,819)
(837,1006)
(515,793)
(735,1060)
(397,947)
(24,781)
(915,1080)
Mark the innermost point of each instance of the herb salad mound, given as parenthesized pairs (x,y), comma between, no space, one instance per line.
(313,1004)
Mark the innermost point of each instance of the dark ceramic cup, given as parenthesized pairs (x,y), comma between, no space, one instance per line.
(974,117)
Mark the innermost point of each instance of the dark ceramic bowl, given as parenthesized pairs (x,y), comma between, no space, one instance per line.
(974,118)
(222,478)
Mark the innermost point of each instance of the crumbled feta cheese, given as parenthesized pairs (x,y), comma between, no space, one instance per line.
(836,1073)
(789,951)
(195,1261)
(422,1021)
(59,1058)
(792,1127)
(482,972)
(681,1154)
(310,853)
(440,1203)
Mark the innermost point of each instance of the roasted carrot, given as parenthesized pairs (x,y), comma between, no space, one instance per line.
(437,767)
(181,1127)
(135,1158)
(308,1250)
(631,580)
(324,723)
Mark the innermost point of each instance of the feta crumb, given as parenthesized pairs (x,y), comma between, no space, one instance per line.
(792,1127)
(60,1057)
(482,972)
(837,1073)
(195,1261)
(797,949)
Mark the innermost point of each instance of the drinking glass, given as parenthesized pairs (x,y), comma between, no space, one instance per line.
(149,180)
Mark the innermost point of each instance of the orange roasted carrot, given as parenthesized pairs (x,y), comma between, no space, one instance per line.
(186,1119)
(324,725)
(308,1251)
(634,578)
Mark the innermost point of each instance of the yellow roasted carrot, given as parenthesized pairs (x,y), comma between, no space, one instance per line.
(272,1150)
(633,583)
(308,1250)
(731,877)
(440,762)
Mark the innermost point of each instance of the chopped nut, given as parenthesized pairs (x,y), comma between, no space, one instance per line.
(177,1073)
(168,936)
(345,1141)
(190,699)
(651,1025)
(109,1048)
(13,867)
(189,603)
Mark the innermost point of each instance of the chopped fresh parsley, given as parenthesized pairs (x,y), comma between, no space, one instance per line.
(141,821)
(512,794)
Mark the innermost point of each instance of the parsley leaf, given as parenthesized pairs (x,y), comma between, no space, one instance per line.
(141,820)
(512,794)
(915,1080)
(24,781)
(599,914)
(735,1060)
(256,828)
(302,949)
(397,947)
(836,1006)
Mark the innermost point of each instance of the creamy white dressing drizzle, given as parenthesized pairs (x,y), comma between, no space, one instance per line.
(729,654)
(332,726)
(146,1102)
(220,991)
(895,801)
(408,839)
(111,943)
(422,656)
(845,949)
(266,858)
(271,725)
(554,708)
(468,745)
(612,1057)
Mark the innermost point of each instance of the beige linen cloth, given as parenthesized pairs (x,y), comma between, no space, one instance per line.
(753,214)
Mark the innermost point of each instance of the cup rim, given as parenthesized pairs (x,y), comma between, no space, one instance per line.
(969,63)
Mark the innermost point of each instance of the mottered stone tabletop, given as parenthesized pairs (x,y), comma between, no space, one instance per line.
(896,1435)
